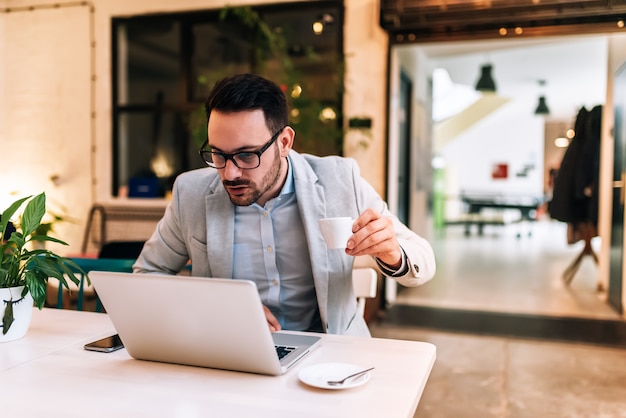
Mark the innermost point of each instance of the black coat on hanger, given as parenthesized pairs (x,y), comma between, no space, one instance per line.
(574,196)
(589,172)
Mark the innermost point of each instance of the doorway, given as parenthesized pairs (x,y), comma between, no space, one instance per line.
(504,271)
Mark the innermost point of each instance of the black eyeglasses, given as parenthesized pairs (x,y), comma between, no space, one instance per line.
(246,160)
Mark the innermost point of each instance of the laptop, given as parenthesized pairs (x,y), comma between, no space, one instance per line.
(195,321)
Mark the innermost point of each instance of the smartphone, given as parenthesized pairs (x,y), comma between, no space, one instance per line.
(106,344)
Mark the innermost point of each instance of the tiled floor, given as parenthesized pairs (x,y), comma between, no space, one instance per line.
(500,272)
(490,377)
(479,376)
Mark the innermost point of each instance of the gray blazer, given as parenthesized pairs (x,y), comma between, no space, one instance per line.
(198,225)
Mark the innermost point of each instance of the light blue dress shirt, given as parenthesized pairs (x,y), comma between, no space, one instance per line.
(270,249)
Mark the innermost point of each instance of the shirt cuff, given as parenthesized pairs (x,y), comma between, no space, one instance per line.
(390,272)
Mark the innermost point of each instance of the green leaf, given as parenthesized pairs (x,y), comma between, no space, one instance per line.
(47,238)
(7,318)
(33,214)
(37,284)
(70,268)
(18,240)
(58,267)
(5,218)
(10,211)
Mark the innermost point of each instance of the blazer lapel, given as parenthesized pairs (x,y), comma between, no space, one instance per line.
(220,235)
(312,206)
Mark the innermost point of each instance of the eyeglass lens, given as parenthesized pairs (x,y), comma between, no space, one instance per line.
(241,160)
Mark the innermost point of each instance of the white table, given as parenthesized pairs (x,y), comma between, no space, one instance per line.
(48,373)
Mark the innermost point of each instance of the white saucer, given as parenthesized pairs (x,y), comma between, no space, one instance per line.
(318,375)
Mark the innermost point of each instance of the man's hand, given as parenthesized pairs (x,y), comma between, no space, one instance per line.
(373,234)
(271,320)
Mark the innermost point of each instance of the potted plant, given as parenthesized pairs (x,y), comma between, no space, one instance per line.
(24,273)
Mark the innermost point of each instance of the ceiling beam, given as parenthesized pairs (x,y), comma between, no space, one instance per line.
(445,20)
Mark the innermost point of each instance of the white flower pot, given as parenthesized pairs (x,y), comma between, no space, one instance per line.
(22,312)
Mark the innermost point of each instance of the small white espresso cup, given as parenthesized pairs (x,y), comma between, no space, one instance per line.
(336,231)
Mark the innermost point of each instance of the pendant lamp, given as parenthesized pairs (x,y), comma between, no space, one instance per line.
(485,82)
(542,107)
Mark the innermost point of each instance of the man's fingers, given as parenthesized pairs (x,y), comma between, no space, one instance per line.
(374,235)
(365,218)
(377,229)
(272,322)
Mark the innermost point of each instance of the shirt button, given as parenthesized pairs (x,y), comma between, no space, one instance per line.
(269,249)
(266,213)
(275,282)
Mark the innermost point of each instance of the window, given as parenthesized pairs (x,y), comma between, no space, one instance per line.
(165,65)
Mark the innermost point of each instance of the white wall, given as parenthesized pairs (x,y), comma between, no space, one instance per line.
(3,35)
(45,108)
(55,73)
(505,136)
(365,49)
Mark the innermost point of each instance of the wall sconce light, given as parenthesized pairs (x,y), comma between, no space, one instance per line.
(485,82)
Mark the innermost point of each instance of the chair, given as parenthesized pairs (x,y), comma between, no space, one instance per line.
(365,283)
(89,264)
(115,222)
(121,249)
(117,256)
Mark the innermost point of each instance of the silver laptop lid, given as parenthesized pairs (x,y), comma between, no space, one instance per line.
(207,322)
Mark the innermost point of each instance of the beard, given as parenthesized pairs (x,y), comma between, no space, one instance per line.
(255,191)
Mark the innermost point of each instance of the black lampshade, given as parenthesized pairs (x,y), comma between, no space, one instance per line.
(485,82)
(542,107)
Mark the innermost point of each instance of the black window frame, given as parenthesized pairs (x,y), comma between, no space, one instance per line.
(188,103)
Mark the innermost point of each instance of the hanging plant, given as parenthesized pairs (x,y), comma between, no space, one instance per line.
(269,45)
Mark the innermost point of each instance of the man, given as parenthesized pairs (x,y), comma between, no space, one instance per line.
(254,215)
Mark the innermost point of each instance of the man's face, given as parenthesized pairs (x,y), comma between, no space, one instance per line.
(246,131)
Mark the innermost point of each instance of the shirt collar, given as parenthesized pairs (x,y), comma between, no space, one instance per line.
(288,187)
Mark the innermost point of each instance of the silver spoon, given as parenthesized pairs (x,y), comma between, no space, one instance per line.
(342,381)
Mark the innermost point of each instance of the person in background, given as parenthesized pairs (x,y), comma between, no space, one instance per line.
(253,214)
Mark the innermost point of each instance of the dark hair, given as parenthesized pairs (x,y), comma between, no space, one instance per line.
(244,92)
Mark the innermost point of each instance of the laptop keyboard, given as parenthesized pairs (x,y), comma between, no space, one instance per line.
(283,350)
